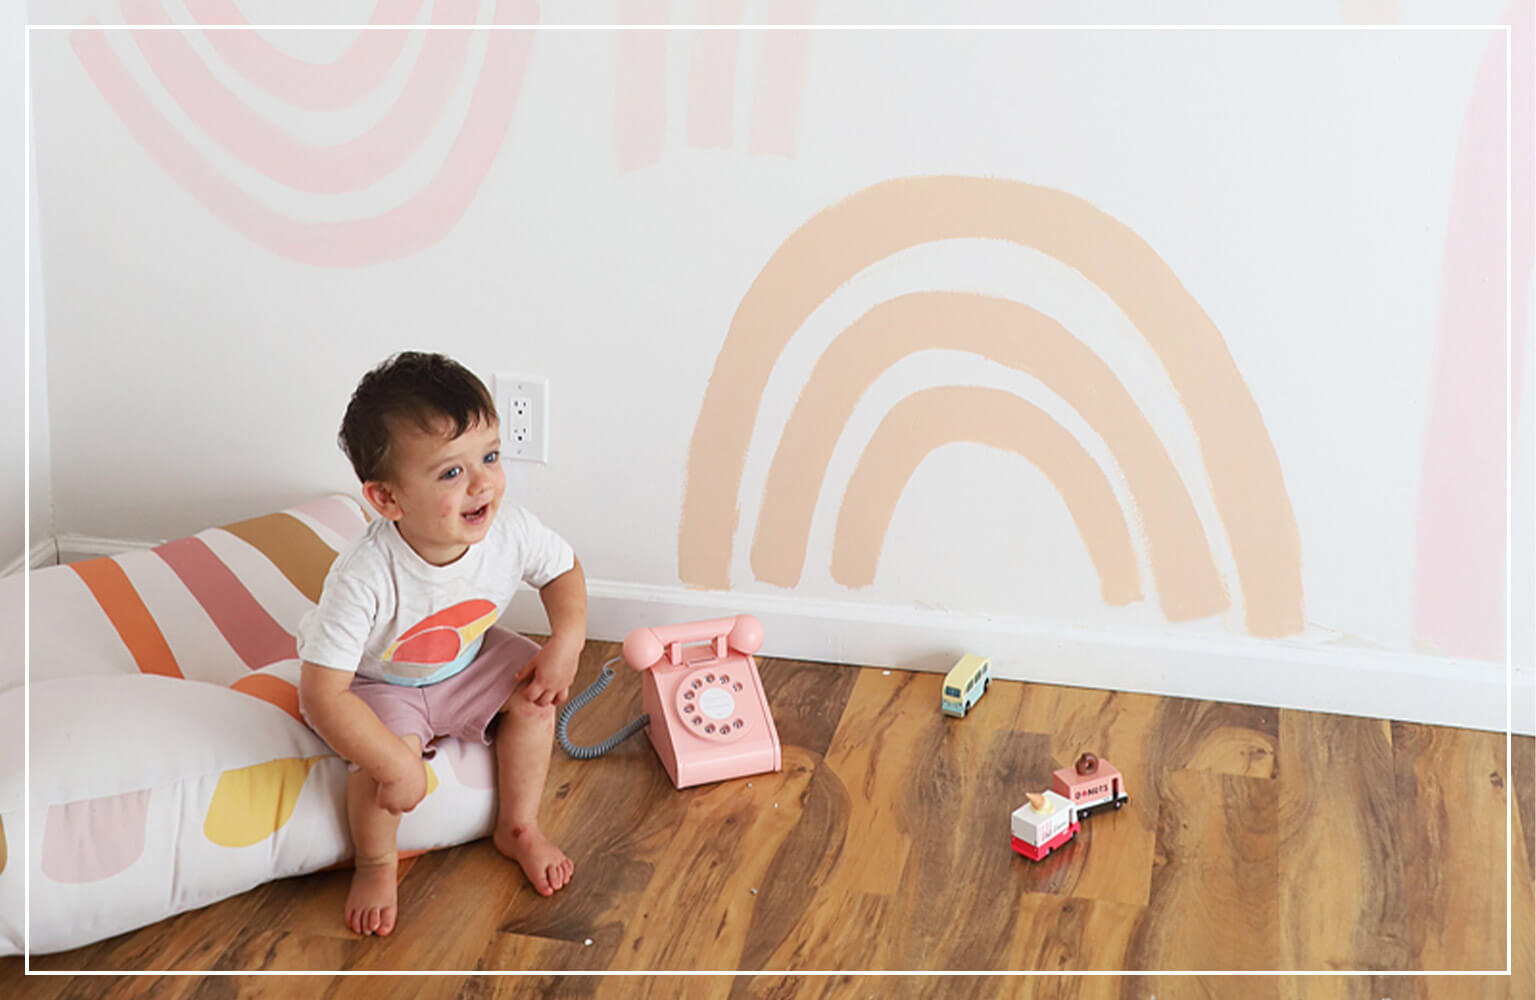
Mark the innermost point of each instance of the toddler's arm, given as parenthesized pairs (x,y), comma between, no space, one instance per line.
(354,731)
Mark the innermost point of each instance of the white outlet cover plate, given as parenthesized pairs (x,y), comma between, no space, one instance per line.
(505,387)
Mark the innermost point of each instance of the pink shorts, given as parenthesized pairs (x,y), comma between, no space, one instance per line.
(464,705)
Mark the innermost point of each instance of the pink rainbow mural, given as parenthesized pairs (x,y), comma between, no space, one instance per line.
(1239,460)
(421,221)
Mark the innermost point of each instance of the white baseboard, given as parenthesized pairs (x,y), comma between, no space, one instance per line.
(1277,673)
(1312,676)
(44,553)
(73,548)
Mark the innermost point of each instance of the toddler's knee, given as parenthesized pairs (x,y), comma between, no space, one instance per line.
(532,711)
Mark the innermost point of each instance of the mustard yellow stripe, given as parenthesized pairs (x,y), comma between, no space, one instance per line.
(290,545)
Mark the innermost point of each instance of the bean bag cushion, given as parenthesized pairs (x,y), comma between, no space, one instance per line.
(169,766)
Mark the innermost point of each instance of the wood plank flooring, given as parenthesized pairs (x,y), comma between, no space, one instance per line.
(1255,840)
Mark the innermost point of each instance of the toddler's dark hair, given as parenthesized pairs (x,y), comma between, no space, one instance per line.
(413,387)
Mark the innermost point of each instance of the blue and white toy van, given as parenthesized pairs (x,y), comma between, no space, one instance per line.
(965,683)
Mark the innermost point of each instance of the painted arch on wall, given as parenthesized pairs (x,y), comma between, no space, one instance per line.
(1236,452)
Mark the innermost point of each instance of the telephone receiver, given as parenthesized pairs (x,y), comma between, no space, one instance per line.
(705,711)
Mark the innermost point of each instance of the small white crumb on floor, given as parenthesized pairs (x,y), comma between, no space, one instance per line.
(754,892)
(885,673)
(775,805)
(588,942)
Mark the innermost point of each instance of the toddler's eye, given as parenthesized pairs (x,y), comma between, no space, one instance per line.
(492,458)
(452,473)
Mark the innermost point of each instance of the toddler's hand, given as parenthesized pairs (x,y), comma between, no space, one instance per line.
(404,794)
(551,671)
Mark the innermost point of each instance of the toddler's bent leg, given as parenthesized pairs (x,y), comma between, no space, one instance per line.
(371,902)
(524,740)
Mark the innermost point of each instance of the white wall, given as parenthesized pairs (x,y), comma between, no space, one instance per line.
(1296,183)
(12,354)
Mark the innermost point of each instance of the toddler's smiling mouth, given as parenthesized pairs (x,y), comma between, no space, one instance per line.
(477,515)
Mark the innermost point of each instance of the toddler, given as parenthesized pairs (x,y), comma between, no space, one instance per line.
(403,646)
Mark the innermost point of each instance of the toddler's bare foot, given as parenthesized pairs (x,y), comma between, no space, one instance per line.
(371,903)
(546,865)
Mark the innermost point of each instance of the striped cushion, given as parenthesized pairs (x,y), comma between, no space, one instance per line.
(162,778)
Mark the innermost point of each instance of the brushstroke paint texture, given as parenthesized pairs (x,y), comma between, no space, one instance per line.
(1459,579)
(779,86)
(931,418)
(353,165)
(1027,341)
(420,222)
(290,545)
(244,623)
(640,88)
(94,839)
(826,252)
(358,71)
(712,77)
(121,603)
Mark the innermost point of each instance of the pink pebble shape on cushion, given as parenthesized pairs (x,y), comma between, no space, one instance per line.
(250,804)
(473,769)
(94,839)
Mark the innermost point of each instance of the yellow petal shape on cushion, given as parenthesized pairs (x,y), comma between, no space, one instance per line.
(252,803)
(2,845)
(431,778)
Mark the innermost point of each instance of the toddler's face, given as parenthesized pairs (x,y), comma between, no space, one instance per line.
(445,491)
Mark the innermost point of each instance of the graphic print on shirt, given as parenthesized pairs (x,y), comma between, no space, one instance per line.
(441,644)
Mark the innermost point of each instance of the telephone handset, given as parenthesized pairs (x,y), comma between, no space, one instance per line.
(705,711)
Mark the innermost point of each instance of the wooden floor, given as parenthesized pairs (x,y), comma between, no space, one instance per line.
(1255,840)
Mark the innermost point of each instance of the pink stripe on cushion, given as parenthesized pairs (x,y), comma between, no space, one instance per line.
(94,839)
(253,634)
(338,515)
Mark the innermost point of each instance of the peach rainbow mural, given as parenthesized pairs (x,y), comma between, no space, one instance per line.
(1025,340)
(640,91)
(931,418)
(1238,457)
(420,221)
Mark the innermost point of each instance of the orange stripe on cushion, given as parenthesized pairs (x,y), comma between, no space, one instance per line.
(273,690)
(291,546)
(253,634)
(126,611)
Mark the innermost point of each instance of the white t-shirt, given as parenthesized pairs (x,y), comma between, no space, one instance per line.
(389,614)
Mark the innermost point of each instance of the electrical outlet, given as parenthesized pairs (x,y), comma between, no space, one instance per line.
(523,403)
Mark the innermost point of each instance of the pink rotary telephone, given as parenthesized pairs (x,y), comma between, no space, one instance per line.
(705,710)
(709,718)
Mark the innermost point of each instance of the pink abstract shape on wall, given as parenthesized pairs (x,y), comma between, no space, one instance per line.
(780,83)
(418,223)
(313,86)
(1459,594)
(712,77)
(640,93)
(352,165)
(94,839)
(640,88)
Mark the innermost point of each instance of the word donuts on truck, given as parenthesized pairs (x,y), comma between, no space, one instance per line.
(1090,785)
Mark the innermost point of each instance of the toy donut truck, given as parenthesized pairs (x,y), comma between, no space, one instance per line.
(1043,824)
(1090,785)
